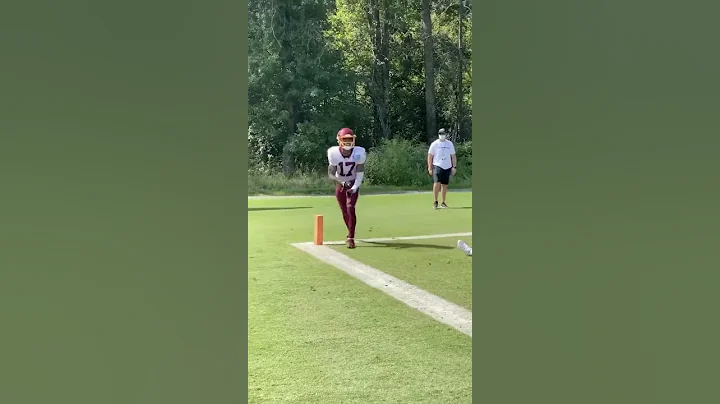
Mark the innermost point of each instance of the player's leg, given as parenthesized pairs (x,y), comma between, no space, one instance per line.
(464,247)
(444,181)
(436,185)
(341,197)
(352,218)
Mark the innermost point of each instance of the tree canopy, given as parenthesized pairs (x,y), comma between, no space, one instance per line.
(377,66)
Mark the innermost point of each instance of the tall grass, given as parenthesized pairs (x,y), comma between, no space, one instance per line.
(277,183)
(395,165)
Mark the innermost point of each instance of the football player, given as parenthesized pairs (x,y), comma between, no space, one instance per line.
(346,167)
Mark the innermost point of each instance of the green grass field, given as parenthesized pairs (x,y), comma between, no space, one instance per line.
(317,335)
(435,265)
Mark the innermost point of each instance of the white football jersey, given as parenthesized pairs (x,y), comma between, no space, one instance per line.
(346,165)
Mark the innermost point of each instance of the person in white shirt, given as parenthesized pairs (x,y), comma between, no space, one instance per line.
(442,164)
(346,167)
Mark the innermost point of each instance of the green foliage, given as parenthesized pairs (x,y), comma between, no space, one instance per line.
(348,33)
(463,151)
(308,147)
(273,182)
(310,72)
(403,163)
(397,162)
(297,85)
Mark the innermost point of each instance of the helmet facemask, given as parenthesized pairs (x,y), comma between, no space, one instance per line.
(347,142)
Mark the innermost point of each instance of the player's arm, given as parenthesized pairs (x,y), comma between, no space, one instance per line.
(430,157)
(359,174)
(332,170)
(453,158)
(359,171)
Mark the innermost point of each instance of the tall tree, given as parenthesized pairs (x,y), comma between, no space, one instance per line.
(459,117)
(429,56)
(379,42)
(387,68)
(298,90)
(378,17)
(452,32)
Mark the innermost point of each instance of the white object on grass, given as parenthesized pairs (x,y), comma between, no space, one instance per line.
(466,248)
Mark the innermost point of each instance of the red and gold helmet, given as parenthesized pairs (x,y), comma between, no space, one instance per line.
(346,138)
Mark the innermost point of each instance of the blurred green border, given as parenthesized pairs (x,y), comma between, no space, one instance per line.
(479,144)
(596,268)
(243,185)
(122,167)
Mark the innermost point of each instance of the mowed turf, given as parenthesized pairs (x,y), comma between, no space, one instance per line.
(317,335)
(436,265)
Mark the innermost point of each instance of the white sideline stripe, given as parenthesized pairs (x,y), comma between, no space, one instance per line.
(419,299)
(425,237)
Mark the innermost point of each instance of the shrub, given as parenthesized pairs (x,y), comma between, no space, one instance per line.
(403,163)
(463,151)
(397,163)
(260,182)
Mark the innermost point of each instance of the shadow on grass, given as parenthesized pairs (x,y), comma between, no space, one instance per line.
(278,208)
(398,245)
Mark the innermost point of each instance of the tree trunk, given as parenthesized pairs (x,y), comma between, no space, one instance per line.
(385,74)
(461,55)
(430,105)
(288,156)
(380,71)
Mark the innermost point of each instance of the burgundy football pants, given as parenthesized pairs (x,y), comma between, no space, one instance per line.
(347,201)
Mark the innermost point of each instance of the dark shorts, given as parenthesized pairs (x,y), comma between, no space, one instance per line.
(441,176)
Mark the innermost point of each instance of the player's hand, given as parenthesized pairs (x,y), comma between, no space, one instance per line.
(454,170)
(430,171)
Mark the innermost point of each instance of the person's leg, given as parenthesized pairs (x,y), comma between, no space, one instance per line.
(445,180)
(341,197)
(352,218)
(436,185)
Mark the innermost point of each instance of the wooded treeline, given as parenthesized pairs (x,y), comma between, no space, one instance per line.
(389,69)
